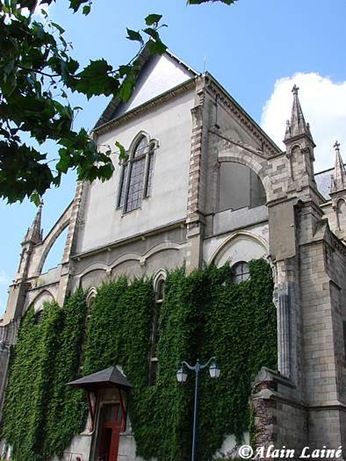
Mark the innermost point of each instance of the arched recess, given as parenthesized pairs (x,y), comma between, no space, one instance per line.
(252,161)
(240,246)
(92,278)
(129,268)
(43,297)
(50,240)
(239,187)
(341,210)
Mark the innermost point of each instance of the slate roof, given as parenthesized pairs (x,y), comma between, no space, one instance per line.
(323,182)
(111,376)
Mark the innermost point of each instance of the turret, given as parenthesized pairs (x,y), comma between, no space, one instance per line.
(299,146)
(297,128)
(338,193)
(34,232)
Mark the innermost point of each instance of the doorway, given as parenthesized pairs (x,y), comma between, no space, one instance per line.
(110,426)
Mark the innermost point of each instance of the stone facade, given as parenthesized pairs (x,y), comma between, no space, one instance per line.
(200,135)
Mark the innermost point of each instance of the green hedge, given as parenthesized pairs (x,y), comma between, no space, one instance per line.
(203,314)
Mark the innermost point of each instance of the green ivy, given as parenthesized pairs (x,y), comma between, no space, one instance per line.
(30,383)
(66,406)
(203,314)
(240,330)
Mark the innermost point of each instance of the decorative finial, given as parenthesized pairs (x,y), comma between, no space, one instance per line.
(337,147)
(295,90)
(339,175)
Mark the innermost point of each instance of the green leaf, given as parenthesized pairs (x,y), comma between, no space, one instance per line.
(153,19)
(95,79)
(126,89)
(86,9)
(35,198)
(134,35)
(157,47)
(152,33)
(58,27)
(122,152)
(64,162)
(75,4)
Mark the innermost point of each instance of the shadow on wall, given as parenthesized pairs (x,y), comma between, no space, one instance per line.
(239,187)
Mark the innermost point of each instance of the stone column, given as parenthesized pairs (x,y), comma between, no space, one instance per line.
(283,274)
(282,302)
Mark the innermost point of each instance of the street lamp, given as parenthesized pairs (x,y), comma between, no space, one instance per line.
(214,372)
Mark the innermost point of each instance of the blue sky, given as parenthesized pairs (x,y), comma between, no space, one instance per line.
(255,48)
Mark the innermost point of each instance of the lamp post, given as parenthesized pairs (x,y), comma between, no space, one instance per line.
(214,372)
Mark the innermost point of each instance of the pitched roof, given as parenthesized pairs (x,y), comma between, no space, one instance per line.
(111,376)
(144,59)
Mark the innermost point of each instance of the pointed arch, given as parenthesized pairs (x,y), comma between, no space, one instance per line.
(161,274)
(137,171)
(239,246)
(41,298)
(90,296)
(135,141)
(159,281)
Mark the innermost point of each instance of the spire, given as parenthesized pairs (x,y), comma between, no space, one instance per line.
(34,233)
(297,125)
(339,176)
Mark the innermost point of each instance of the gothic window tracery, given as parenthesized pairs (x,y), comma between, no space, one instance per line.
(136,176)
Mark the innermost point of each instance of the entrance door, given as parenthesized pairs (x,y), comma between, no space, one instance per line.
(109,432)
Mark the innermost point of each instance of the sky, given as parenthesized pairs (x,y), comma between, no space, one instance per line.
(257,49)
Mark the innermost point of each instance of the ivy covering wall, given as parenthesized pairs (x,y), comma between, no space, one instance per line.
(203,314)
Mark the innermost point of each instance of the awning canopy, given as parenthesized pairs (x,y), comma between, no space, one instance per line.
(109,377)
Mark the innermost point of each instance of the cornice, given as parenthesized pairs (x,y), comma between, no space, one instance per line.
(148,106)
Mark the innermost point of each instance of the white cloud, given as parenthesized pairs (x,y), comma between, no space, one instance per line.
(324,105)
(4,278)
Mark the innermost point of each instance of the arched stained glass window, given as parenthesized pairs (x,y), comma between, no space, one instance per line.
(136,178)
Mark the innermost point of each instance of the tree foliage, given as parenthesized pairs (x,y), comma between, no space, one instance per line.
(37,75)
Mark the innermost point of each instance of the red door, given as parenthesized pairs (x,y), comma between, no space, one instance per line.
(109,432)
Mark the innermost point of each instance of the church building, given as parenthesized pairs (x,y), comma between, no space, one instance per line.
(204,185)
